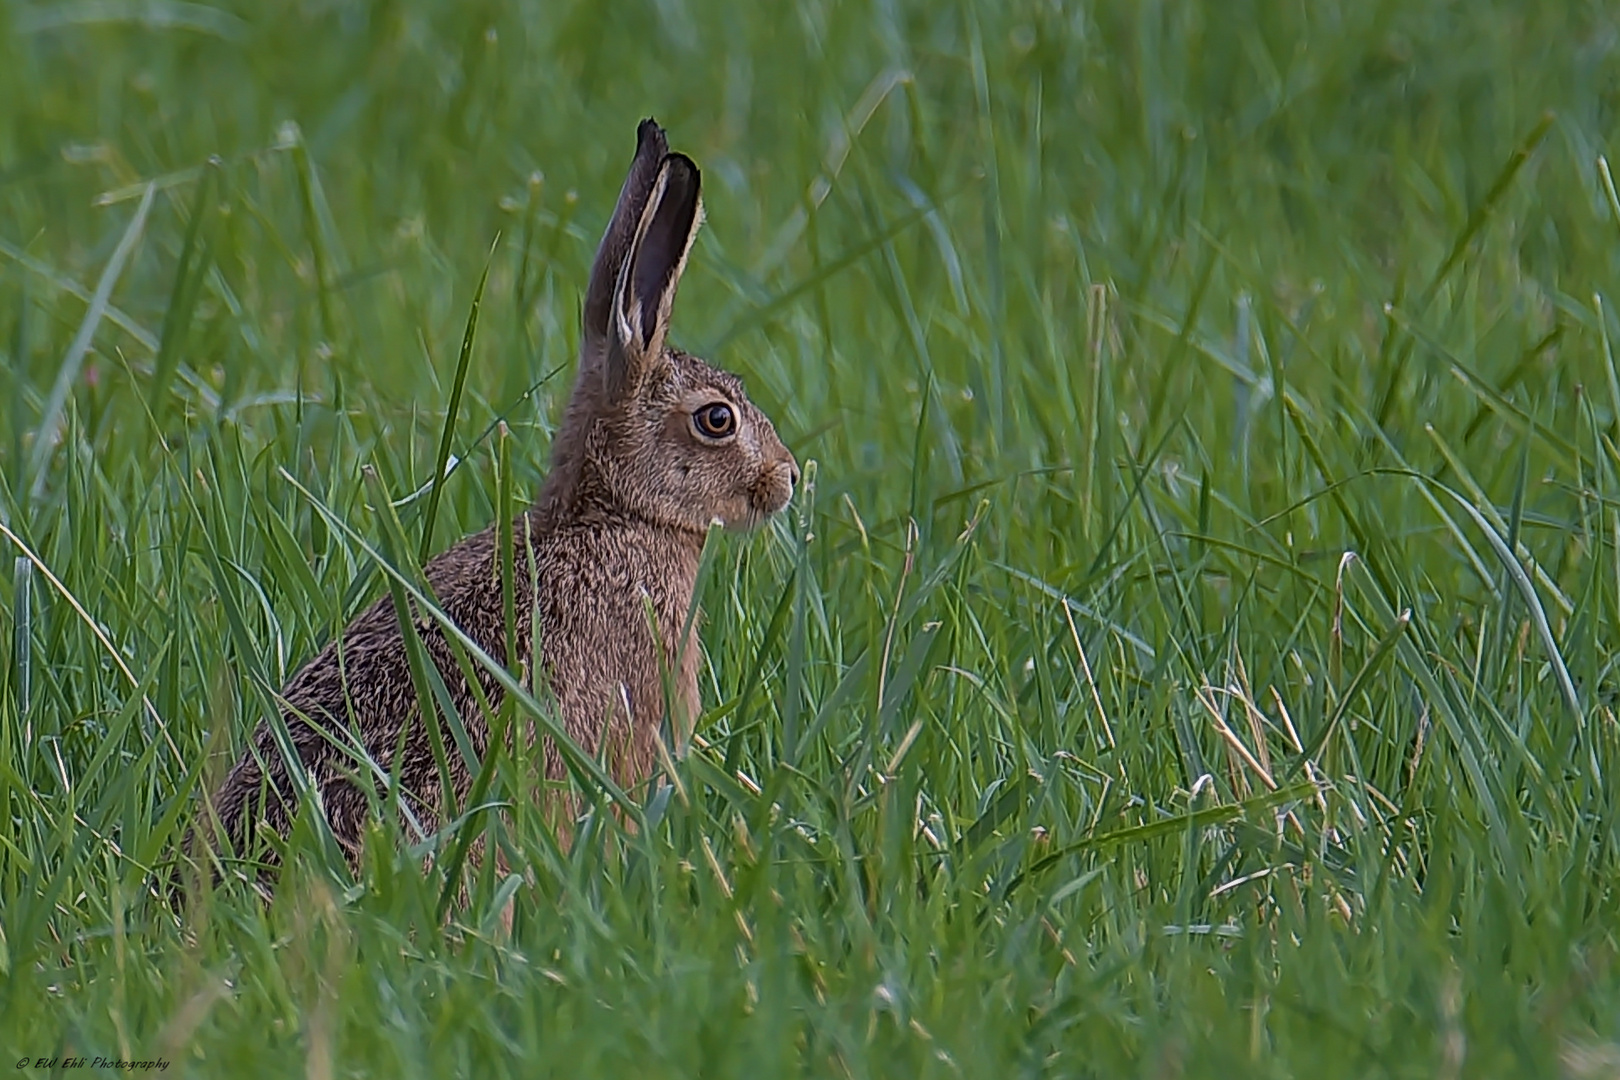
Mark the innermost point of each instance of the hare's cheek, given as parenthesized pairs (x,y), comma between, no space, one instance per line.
(686,476)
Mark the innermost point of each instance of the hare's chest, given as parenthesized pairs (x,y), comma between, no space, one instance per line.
(615,598)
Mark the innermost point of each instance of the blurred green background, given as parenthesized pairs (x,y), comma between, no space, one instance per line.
(1194,655)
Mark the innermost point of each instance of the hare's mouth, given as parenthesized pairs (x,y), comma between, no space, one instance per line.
(773,495)
(769,494)
(756,510)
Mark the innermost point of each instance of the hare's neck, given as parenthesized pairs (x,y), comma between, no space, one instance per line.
(661,564)
(682,583)
(679,630)
(566,483)
(578,491)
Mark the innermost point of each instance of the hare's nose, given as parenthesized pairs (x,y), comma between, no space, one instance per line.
(793,473)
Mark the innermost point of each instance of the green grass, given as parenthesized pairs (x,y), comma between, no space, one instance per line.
(1262,723)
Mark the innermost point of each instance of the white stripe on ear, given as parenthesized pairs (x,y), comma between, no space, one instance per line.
(627,308)
(644,290)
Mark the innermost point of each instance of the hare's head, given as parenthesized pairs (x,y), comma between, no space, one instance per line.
(652,431)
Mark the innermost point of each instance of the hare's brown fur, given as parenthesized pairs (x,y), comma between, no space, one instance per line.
(636,481)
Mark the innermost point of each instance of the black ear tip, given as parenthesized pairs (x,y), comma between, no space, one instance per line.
(649,131)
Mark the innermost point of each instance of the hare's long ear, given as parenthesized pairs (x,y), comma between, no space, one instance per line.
(651,149)
(645,291)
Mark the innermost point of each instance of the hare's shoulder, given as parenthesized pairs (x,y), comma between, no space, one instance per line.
(370,650)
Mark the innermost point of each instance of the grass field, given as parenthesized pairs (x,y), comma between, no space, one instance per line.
(1191,655)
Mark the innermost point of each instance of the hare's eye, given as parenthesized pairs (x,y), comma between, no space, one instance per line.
(715,421)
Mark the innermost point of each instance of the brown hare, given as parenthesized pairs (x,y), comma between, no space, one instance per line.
(655,446)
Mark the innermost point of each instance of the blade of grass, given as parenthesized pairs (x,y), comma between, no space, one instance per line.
(447,434)
(67,373)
